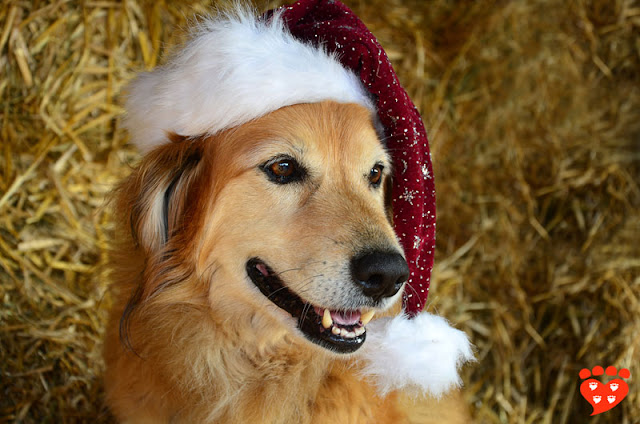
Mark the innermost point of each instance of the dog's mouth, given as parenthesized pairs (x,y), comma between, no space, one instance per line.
(338,331)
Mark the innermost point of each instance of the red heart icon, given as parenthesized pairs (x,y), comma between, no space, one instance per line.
(603,396)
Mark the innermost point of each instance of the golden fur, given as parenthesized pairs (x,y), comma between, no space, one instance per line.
(190,339)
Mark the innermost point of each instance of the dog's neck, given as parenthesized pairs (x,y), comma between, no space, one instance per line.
(236,362)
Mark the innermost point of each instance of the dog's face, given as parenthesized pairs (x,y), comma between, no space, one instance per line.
(293,223)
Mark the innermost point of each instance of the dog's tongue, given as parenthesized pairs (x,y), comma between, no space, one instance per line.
(345,317)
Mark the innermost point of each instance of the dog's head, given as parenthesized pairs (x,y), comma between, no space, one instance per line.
(284,217)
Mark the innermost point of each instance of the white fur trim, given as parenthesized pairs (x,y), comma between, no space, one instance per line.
(420,354)
(235,68)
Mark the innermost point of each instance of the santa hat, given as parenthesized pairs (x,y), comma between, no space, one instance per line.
(238,67)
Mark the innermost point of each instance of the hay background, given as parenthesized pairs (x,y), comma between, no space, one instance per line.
(533,112)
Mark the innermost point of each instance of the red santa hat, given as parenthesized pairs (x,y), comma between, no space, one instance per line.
(238,67)
(336,29)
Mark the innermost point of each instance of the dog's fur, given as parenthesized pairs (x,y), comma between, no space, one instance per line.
(190,338)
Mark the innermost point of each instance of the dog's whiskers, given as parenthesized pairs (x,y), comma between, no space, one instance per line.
(276,291)
(413,289)
(305,310)
(297,269)
(306,283)
(287,270)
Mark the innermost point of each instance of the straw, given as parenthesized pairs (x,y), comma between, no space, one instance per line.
(533,113)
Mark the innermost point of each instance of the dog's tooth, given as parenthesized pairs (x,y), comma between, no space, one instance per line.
(366,317)
(326,319)
(336,331)
(359,331)
(343,332)
(351,334)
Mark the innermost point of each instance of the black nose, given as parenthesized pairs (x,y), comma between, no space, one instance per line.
(379,274)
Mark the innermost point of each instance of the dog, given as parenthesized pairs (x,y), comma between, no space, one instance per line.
(252,265)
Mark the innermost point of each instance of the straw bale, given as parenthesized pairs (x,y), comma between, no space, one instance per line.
(533,113)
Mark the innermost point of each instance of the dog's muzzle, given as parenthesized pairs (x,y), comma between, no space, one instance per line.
(377,274)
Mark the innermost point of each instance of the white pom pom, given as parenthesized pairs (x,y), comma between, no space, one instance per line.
(421,354)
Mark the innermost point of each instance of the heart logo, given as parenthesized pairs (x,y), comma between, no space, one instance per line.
(603,397)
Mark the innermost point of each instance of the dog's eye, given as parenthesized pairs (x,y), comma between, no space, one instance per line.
(283,170)
(375,175)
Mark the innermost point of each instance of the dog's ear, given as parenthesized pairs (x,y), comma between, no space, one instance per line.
(158,204)
(156,196)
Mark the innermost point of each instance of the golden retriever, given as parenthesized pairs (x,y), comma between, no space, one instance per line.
(236,300)
(257,252)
